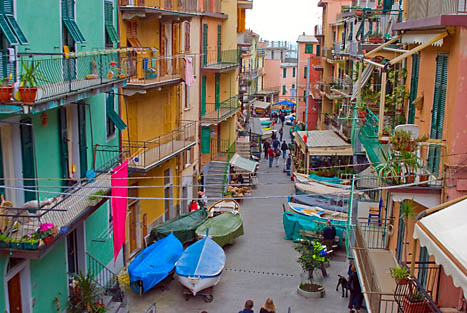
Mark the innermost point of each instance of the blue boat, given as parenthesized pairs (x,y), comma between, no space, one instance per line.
(154,263)
(201,265)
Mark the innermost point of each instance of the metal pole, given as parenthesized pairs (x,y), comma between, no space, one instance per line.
(307,92)
(359,99)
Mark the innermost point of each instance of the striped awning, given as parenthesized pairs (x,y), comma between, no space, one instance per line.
(366,74)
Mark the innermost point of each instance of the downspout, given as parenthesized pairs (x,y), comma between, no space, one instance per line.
(200,79)
(421,215)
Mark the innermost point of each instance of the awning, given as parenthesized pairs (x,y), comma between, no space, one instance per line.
(245,164)
(366,74)
(286,102)
(421,37)
(324,142)
(261,105)
(443,233)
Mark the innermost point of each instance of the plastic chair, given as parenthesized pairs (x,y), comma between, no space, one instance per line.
(374,214)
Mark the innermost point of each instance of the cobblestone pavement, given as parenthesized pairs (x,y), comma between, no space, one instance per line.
(259,264)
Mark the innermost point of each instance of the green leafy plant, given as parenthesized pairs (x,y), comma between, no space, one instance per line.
(97,195)
(311,257)
(31,77)
(415,296)
(399,272)
(391,169)
(406,212)
(84,295)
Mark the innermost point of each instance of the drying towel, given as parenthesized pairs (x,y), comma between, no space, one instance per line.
(119,179)
(189,78)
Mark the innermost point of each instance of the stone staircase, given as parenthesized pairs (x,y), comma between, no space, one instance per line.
(242,147)
(214,181)
(113,306)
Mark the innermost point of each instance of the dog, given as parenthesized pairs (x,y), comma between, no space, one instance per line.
(344,284)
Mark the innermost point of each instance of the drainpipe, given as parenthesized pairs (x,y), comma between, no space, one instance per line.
(307,93)
(426,213)
(200,78)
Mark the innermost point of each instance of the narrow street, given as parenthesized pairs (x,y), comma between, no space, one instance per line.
(259,265)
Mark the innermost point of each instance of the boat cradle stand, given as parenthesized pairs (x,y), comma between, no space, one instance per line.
(206,294)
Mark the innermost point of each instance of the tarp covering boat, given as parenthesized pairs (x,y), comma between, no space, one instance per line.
(204,259)
(294,223)
(338,204)
(223,228)
(183,226)
(154,263)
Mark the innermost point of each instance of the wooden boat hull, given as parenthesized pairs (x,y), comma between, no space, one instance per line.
(196,284)
(223,229)
(319,212)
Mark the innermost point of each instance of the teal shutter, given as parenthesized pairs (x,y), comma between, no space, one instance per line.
(17,29)
(7,31)
(68,17)
(27,153)
(424,257)
(2,174)
(305,71)
(293,86)
(112,115)
(361,30)
(400,240)
(203,95)
(284,72)
(318,50)
(437,115)
(218,90)
(63,141)
(293,72)
(109,25)
(205,44)
(9,26)
(83,148)
(219,43)
(387,6)
(309,48)
(205,140)
(284,90)
(413,86)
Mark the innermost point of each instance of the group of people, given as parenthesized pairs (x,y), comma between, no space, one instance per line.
(274,151)
(268,307)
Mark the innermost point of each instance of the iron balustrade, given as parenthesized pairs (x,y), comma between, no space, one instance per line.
(412,297)
(425,8)
(147,70)
(427,274)
(217,59)
(147,154)
(104,277)
(217,112)
(189,6)
(58,75)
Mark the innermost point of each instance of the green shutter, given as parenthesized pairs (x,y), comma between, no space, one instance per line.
(205,140)
(63,141)
(17,29)
(8,31)
(112,115)
(219,43)
(305,71)
(293,71)
(203,95)
(6,6)
(217,89)
(112,33)
(413,86)
(361,30)
(424,257)
(2,174)
(318,50)
(284,90)
(309,48)
(205,44)
(27,153)
(109,25)
(387,5)
(293,86)
(284,72)
(83,147)
(68,17)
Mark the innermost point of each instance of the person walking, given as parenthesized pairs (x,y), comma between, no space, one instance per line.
(273,136)
(284,148)
(275,144)
(248,307)
(329,234)
(271,154)
(266,146)
(355,299)
(282,117)
(268,307)
(281,133)
(288,164)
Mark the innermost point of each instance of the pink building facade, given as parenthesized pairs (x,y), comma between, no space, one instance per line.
(288,81)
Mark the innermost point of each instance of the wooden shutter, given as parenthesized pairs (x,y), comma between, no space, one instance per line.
(205,140)
(413,86)
(63,135)
(205,44)
(293,71)
(83,148)
(203,95)
(217,90)
(284,90)
(187,37)
(284,72)
(305,71)
(219,43)
(318,50)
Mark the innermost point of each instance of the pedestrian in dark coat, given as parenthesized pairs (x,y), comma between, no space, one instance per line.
(356,296)
(266,146)
(248,307)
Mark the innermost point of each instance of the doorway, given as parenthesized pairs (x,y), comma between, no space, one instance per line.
(76,251)
(14,294)
(17,286)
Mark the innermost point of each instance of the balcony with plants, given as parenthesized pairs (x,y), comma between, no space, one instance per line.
(35,82)
(146,71)
(218,112)
(166,9)
(219,61)
(148,154)
(31,230)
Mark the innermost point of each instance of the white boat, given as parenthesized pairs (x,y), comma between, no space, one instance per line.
(323,214)
(223,206)
(201,265)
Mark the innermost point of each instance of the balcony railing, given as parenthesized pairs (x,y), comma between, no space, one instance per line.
(148,72)
(19,225)
(338,48)
(424,8)
(250,73)
(188,6)
(260,51)
(62,75)
(217,112)
(220,60)
(412,297)
(147,154)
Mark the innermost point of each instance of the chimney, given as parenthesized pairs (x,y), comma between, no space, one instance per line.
(303,33)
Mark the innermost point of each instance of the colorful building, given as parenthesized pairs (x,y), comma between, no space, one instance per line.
(57,138)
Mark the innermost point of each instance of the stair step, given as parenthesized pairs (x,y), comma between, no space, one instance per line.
(106,300)
(123,310)
(113,307)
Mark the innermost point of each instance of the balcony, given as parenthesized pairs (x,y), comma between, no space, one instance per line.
(166,10)
(60,78)
(218,112)
(260,51)
(341,125)
(245,4)
(146,72)
(250,74)
(338,51)
(217,61)
(426,8)
(63,211)
(148,154)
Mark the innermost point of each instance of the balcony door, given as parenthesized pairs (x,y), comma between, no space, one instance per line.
(76,250)
(18,286)
(28,159)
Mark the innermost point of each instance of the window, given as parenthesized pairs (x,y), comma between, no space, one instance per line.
(68,18)
(284,72)
(305,71)
(293,86)
(318,50)
(111,36)
(187,36)
(284,90)
(112,118)
(293,72)
(9,26)
(309,48)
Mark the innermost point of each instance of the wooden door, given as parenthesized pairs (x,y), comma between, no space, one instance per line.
(83,147)
(133,224)
(14,294)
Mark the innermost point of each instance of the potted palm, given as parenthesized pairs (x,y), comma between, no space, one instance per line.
(400,274)
(30,79)
(312,257)
(84,295)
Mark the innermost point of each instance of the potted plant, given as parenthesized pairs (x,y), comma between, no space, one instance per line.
(5,90)
(16,243)
(400,274)
(30,79)
(84,295)
(30,242)
(390,171)
(406,212)
(411,163)
(376,38)
(358,10)
(312,257)
(414,302)
(46,232)
(4,241)
(361,108)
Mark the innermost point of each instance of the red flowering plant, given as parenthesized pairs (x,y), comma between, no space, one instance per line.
(118,72)
(45,230)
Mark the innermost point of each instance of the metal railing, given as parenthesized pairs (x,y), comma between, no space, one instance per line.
(424,8)
(147,70)
(57,75)
(190,6)
(18,225)
(220,59)
(216,112)
(230,152)
(412,297)
(338,48)
(427,274)
(104,277)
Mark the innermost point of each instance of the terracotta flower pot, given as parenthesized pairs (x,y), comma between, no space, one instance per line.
(424,178)
(413,307)
(359,12)
(48,240)
(410,178)
(403,281)
(28,94)
(5,93)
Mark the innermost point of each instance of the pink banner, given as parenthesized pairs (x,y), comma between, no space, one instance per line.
(119,179)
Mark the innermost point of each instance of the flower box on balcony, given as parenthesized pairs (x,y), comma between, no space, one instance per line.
(28,94)
(5,93)
(409,306)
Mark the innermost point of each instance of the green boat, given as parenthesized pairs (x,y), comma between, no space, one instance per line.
(183,227)
(223,228)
